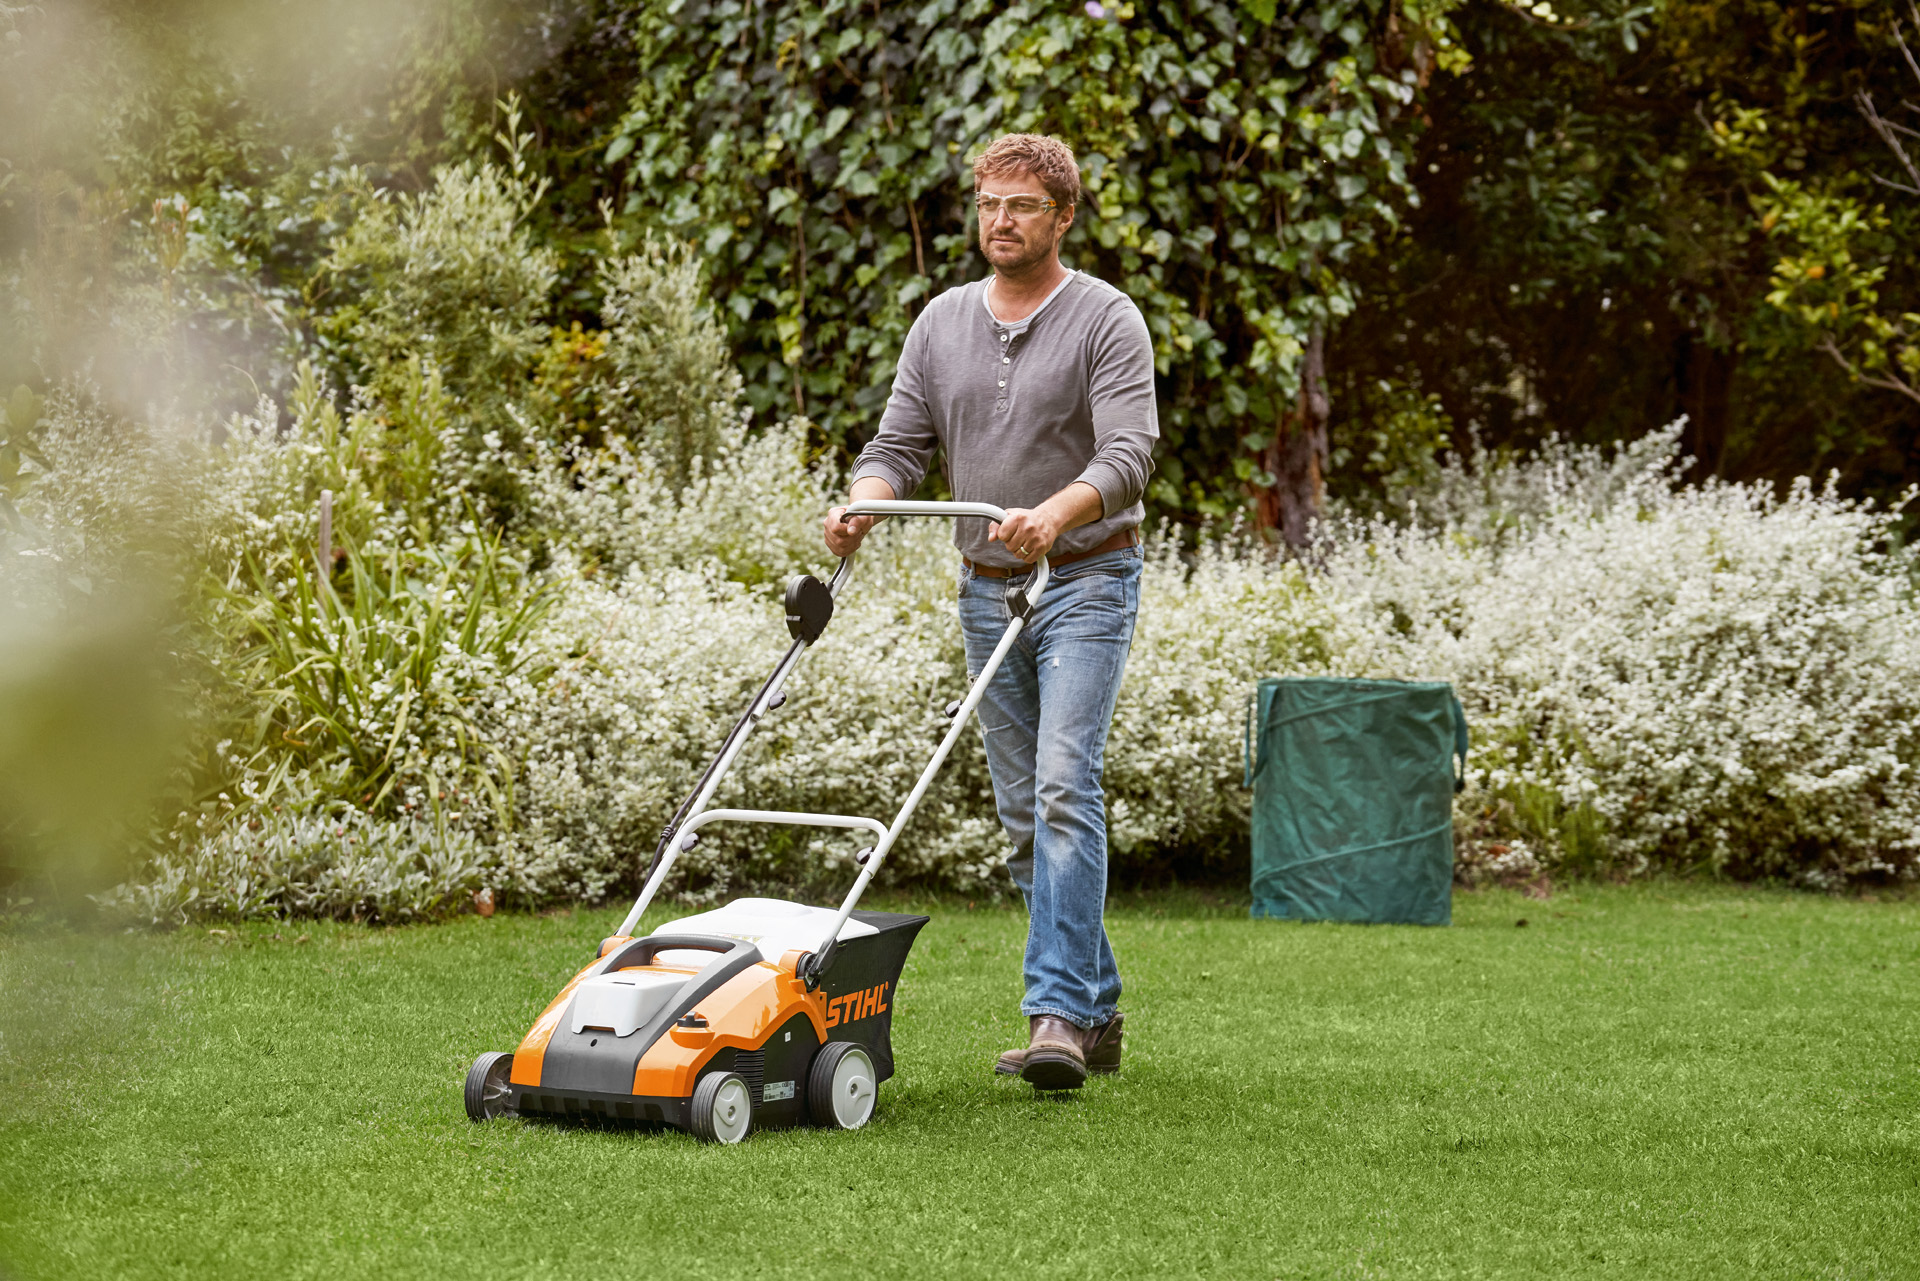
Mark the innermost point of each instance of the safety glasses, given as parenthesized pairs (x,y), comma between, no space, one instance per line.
(1021,205)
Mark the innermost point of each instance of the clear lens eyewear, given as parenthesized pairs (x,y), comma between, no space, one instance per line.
(1020,206)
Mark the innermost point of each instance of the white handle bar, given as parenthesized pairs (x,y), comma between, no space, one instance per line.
(1027,596)
(911,507)
(908,507)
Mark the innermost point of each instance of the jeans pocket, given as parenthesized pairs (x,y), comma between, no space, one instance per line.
(1108,581)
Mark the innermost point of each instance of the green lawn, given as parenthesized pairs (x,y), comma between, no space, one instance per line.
(1656,1082)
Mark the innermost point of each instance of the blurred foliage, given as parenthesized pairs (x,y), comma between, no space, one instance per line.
(87,720)
(20,421)
(173,171)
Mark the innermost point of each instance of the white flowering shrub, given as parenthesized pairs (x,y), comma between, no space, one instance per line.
(652,670)
(350,867)
(1484,496)
(1679,679)
(1211,624)
(1661,676)
(103,508)
(753,506)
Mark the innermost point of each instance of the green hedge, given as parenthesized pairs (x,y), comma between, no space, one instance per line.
(1235,162)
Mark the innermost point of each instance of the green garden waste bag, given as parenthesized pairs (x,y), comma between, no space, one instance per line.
(1353,785)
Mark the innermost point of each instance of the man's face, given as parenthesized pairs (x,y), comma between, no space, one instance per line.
(1013,244)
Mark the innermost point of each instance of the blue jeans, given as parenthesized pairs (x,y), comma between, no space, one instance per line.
(1044,717)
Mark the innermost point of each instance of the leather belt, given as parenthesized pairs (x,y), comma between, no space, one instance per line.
(1125,538)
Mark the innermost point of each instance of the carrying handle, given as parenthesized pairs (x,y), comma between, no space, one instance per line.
(1249,768)
(1461,742)
(642,951)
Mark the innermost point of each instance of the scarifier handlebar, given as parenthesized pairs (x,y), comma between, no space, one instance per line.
(807,617)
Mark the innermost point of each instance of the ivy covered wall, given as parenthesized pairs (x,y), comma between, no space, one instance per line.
(1235,161)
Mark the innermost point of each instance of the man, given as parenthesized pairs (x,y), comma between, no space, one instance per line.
(1037,382)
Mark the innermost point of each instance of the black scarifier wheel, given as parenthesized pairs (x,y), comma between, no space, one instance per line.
(488,1093)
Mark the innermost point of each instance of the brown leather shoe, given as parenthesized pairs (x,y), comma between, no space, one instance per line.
(1099,1045)
(1055,1059)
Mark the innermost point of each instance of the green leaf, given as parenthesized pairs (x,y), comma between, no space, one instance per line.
(23,409)
(618,148)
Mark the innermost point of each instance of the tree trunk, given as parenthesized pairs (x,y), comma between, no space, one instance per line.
(1297,458)
(1705,377)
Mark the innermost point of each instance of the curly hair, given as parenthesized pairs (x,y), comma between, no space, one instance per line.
(1048,159)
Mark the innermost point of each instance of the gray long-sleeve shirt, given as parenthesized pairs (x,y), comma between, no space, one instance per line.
(1023,413)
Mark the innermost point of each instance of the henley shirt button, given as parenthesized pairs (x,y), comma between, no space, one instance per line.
(1006,360)
(1003,382)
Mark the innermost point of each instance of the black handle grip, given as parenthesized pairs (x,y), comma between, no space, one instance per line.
(642,951)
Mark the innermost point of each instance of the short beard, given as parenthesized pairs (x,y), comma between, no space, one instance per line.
(1037,251)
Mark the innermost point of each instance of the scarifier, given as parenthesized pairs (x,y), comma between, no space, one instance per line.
(760,1014)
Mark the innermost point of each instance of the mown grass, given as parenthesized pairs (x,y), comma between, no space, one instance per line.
(1655,1082)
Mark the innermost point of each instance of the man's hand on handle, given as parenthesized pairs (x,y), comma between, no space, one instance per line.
(845,535)
(1030,532)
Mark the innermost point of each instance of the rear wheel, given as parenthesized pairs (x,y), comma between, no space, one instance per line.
(489,1091)
(722,1108)
(841,1086)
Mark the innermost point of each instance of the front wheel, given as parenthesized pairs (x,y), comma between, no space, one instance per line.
(722,1109)
(489,1087)
(841,1086)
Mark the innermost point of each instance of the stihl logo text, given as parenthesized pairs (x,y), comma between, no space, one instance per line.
(855,1006)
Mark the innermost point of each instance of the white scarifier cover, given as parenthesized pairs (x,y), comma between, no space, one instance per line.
(623,1001)
(775,925)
